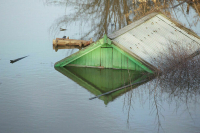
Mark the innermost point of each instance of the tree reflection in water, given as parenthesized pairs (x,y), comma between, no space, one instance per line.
(103,15)
(181,84)
(106,16)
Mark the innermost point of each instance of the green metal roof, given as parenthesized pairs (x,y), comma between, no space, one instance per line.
(98,81)
(152,38)
(124,61)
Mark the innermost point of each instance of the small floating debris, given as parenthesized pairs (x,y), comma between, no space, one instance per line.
(153,52)
(13,61)
(61,29)
(70,42)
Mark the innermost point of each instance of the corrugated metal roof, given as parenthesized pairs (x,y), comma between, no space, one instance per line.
(151,37)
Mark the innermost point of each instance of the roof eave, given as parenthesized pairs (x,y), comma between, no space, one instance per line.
(80,53)
(132,25)
(149,66)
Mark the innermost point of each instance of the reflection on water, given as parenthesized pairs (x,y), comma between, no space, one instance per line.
(56,48)
(179,86)
(177,92)
(99,81)
(100,17)
(34,97)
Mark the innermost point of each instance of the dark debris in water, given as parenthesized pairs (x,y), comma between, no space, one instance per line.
(13,61)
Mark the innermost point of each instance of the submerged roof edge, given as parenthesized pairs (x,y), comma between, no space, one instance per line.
(94,90)
(188,32)
(80,53)
(132,58)
(132,25)
(77,79)
(148,65)
(146,18)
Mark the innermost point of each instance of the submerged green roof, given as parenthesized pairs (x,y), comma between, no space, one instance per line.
(103,54)
(98,81)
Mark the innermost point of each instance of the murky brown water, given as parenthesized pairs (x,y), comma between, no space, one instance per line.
(34,97)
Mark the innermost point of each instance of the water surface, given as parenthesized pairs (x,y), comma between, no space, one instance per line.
(34,97)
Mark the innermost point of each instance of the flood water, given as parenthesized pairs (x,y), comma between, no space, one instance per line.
(37,98)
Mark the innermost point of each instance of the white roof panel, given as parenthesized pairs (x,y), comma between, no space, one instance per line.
(152,39)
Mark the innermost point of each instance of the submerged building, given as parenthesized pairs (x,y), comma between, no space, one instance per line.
(99,81)
(143,45)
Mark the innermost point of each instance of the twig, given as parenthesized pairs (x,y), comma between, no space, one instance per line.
(118,89)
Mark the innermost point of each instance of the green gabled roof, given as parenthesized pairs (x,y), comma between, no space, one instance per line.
(83,52)
(98,81)
(105,42)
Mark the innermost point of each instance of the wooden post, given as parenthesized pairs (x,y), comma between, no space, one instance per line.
(67,41)
(66,47)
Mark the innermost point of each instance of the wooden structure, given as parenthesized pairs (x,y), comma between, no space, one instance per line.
(103,54)
(142,46)
(56,48)
(151,38)
(98,81)
(71,42)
